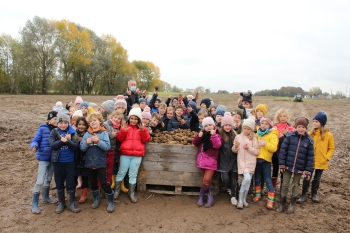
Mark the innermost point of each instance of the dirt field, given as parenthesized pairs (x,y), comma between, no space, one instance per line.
(21,116)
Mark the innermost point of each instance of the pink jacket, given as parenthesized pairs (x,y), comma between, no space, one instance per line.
(246,159)
(208,159)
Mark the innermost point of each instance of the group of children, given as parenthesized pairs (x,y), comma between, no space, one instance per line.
(86,144)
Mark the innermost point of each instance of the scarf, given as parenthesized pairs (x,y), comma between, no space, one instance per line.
(51,127)
(263,132)
(116,125)
(102,128)
(206,140)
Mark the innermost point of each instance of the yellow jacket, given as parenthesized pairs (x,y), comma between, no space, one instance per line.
(271,140)
(323,149)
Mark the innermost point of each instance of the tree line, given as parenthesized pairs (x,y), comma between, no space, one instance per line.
(65,58)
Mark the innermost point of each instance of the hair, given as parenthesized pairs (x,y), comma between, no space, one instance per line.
(203,112)
(170,109)
(116,113)
(279,112)
(81,119)
(132,80)
(323,130)
(138,119)
(210,108)
(251,135)
(156,115)
(162,105)
(224,136)
(95,115)
(178,106)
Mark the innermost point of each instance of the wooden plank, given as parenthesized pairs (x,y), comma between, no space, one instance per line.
(178,189)
(165,148)
(170,178)
(170,157)
(169,166)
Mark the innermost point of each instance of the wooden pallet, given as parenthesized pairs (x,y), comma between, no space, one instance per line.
(171,169)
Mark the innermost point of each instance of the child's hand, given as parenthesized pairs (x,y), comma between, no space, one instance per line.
(212,131)
(88,140)
(196,96)
(236,145)
(239,102)
(262,142)
(125,125)
(63,139)
(95,138)
(246,147)
(280,135)
(68,136)
(307,175)
(200,134)
(183,121)
(70,104)
(141,126)
(170,96)
(34,149)
(284,131)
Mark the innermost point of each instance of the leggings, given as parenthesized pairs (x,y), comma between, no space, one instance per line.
(230,180)
(207,176)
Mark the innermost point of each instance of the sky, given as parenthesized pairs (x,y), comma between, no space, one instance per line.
(220,45)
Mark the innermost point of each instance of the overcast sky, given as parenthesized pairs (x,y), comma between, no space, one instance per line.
(221,45)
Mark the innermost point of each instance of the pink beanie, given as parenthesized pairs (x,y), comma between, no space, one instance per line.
(146,113)
(207,121)
(78,100)
(268,120)
(120,102)
(227,119)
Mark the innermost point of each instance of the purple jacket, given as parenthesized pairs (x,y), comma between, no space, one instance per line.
(208,159)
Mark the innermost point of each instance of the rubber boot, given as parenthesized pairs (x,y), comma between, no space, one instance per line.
(314,189)
(110,198)
(83,196)
(131,193)
(306,184)
(257,193)
(71,204)
(282,204)
(35,203)
(274,182)
(270,200)
(96,195)
(245,203)
(61,202)
(291,209)
(201,197)
(210,199)
(240,199)
(117,189)
(123,188)
(113,181)
(45,196)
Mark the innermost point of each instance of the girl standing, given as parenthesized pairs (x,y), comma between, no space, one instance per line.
(323,149)
(247,148)
(208,143)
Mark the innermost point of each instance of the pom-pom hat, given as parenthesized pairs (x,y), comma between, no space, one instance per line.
(207,121)
(146,113)
(120,102)
(249,123)
(321,117)
(227,119)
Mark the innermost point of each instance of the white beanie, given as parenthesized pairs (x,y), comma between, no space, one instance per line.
(135,112)
(249,123)
(58,106)
(207,121)
(78,113)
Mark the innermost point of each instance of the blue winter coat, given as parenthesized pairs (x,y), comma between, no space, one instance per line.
(42,143)
(175,124)
(297,153)
(63,151)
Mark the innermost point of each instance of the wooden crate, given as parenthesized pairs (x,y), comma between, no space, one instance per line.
(171,169)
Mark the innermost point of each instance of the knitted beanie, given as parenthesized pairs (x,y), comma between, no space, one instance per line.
(207,121)
(321,117)
(78,113)
(206,101)
(227,119)
(262,107)
(146,113)
(220,110)
(63,115)
(51,115)
(135,112)
(120,102)
(78,100)
(108,106)
(246,97)
(58,106)
(142,100)
(239,112)
(192,104)
(249,123)
(301,121)
(91,104)
(269,120)
(84,104)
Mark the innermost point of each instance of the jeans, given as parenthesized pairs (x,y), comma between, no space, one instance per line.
(99,173)
(207,176)
(230,180)
(131,163)
(263,169)
(45,171)
(247,177)
(287,176)
(64,172)
(318,174)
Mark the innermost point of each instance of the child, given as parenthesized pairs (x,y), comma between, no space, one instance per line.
(208,143)
(247,148)
(162,109)
(78,100)
(95,143)
(146,119)
(260,111)
(80,169)
(120,104)
(324,141)
(41,146)
(133,137)
(246,103)
(64,142)
(142,103)
(295,158)
(165,119)
(219,113)
(155,101)
(172,102)
(155,122)
(178,121)
(107,107)
(268,142)
(74,118)
(228,159)
(84,107)
(212,111)
(282,118)
(58,106)
(237,116)
(206,103)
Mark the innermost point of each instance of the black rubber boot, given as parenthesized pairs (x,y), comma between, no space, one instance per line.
(282,204)
(71,204)
(131,193)
(117,189)
(110,207)
(35,203)
(96,195)
(292,205)
(314,189)
(45,195)
(306,184)
(61,202)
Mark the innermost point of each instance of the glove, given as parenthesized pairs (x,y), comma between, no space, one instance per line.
(262,142)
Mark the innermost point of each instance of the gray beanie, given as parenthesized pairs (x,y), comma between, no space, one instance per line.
(108,106)
(63,115)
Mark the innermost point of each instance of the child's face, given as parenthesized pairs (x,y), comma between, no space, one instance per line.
(227,128)
(134,120)
(212,112)
(142,105)
(237,118)
(81,126)
(259,114)
(161,110)
(170,114)
(246,104)
(116,118)
(316,124)
(218,118)
(63,125)
(84,110)
(179,112)
(204,106)
(77,105)
(95,123)
(121,109)
(52,121)
(301,129)
(264,125)
(154,122)
(145,121)
(200,119)
(182,104)
(156,104)
(283,118)
(246,130)
(174,102)
(208,127)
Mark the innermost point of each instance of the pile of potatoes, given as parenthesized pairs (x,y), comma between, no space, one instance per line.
(178,136)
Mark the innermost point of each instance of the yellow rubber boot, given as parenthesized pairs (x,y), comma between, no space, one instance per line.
(113,181)
(122,187)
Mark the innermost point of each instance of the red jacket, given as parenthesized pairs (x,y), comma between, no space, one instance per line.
(133,141)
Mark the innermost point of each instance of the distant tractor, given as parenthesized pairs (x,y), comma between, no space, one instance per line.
(298,98)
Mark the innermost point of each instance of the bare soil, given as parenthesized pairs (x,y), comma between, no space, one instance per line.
(21,115)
